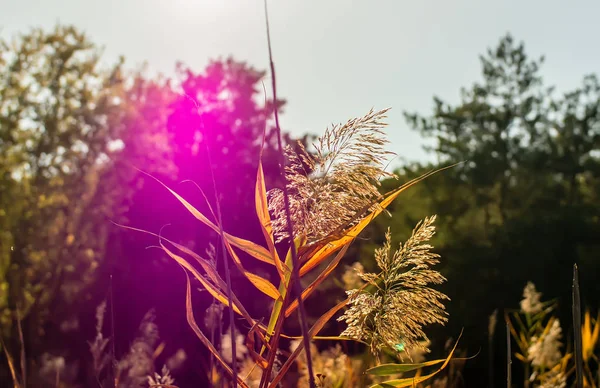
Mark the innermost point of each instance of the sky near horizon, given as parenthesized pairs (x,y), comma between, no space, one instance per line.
(335,59)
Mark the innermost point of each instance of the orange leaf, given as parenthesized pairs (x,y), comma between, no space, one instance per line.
(314,330)
(322,276)
(249,247)
(189,313)
(410,381)
(262,211)
(329,247)
(260,283)
(216,293)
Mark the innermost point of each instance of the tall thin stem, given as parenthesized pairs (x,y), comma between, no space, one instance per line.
(508,359)
(225,263)
(577,329)
(295,279)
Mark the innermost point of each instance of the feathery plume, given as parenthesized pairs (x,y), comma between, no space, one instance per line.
(393,315)
(329,189)
(531,303)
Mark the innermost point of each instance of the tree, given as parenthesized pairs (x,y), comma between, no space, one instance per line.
(522,205)
(221,108)
(68,127)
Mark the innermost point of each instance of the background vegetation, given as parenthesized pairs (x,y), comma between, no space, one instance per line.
(522,207)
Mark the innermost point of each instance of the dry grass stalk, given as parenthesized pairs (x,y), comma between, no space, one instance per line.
(393,315)
(328,189)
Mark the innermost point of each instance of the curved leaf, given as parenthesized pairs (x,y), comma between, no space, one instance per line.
(189,313)
(322,276)
(413,381)
(314,330)
(262,211)
(260,283)
(314,257)
(393,369)
(247,246)
(215,292)
(210,272)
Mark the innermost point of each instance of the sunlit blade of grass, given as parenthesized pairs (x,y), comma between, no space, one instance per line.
(410,381)
(314,330)
(215,292)
(314,257)
(589,335)
(211,272)
(393,369)
(276,318)
(247,246)
(262,211)
(260,283)
(521,358)
(251,248)
(192,322)
(283,290)
(11,364)
(518,336)
(586,335)
(257,358)
(322,276)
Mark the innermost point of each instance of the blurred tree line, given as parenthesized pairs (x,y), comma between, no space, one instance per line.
(522,205)
(72,134)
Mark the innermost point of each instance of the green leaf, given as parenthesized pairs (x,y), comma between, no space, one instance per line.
(393,369)
(413,381)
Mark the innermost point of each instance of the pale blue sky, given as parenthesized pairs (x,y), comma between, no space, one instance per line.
(336,59)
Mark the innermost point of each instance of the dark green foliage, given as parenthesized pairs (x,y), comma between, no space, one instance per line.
(70,130)
(523,205)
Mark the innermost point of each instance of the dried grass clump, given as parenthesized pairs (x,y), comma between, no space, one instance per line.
(401,303)
(338,184)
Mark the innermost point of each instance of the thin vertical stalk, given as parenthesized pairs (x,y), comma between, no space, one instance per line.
(112,330)
(22,341)
(225,266)
(295,278)
(508,358)
(577,329)
(491,357)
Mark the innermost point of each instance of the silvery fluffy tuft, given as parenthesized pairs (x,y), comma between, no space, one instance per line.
(331,366)
(240,348)
(401,303)
(544,351)
(333,188)
(162,379)
(531,304)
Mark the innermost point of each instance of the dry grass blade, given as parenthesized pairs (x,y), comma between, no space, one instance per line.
(210,271)
(314,330)
(317,253)
(214,292)
(11,364)
(192,322)
(589,336)
(262,284)
(322,276)
(393,369)
(262,211)
(247,246)
(22,343)
(410,381)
